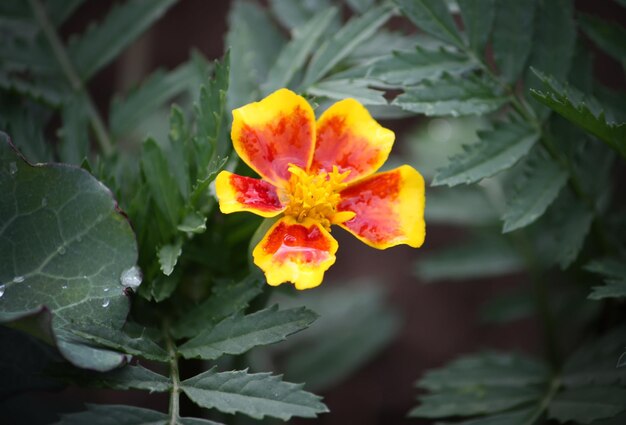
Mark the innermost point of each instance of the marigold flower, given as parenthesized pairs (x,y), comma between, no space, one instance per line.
(316,174)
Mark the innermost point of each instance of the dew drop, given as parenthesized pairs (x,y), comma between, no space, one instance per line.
(61,250)
(44,201)
(131,278)
(18,279)
(13,168)
(106,289)
(2,288)
(64,286)
(106,302)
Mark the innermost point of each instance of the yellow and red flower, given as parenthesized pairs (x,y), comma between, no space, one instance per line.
(316,174)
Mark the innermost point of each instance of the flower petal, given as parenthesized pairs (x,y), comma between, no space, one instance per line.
(295,252)
(348,137)
(238,193)
(272,134)
(389,208)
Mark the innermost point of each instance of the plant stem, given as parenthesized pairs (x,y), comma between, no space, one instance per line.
(60,53)
(555,384)
(174,409)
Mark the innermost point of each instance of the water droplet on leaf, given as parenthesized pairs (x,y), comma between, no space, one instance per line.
(106,289)
(106,302)
(61,250)
(2,287)
(12,168)
(131,278)
(44,201)
(18,279)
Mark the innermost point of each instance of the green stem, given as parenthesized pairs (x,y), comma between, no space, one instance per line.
(555,384)
(70,73)
(174,408)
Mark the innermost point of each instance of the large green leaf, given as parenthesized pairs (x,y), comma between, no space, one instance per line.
(238,334)
(354,88)
(226,299)
(256,395)
(65,247)
(124,378)
(480,257)
(513,36)
(294,54)
(583,111)
(612,289)
(497,150)
(152,94)
(433,17)
(453,96)
(609,37)
(585,405)
(538,187)
(101,43)
(103,414)
(478,16)
(356,31)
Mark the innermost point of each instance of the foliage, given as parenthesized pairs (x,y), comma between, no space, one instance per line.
(120,253)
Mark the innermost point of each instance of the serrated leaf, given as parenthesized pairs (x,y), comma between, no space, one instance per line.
(489,369)
(351,88)
(152,94)
(60,10)
(353,33)
(294,14)
(542,181)
(293,56)
(453,96)
(480,257)
(405,68)
(554,43)
(473,401)
(608,36)
(478,16)
(433,17)
(581,110)
(101,43)
(125,378)
(612,289)
(49,92)
(585,405)
(497,150)
(74,145)
(225,300)
(512,36)
(238,334)
(256,395)
(103,414)
(162,184)
(65,246)
(168,256)
(140,345)
(193,223)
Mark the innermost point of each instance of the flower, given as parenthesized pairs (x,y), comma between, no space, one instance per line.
(316,174)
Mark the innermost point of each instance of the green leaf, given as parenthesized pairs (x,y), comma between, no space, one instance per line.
(163,186)
(60,10)
(407,68)
(103,414)
(256,395)
(293,56)
(497,150)
(252,51)
(353,33)
(151,95)
(238,333)
(453,96)
(507,308)
(489,369)
(478,17)
(517,417)
(612,289)
(553,44)
(539,186)
(473,401)
(141,345)
(443,207)
(75,131)
(225,300)
(360,6)
(582,111)
(101,43)
(125,378)
(48,92)
(585,405)
(65,246)
(193,223)
(513,36)
(168,256)
(609,37)
(615,271)
(294,14)
(481,257)
(432,16)
(354,88)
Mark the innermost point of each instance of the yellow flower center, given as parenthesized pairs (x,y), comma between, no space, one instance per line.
(315,196)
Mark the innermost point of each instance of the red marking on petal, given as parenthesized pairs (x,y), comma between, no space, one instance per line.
(307,244)
(255,193)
